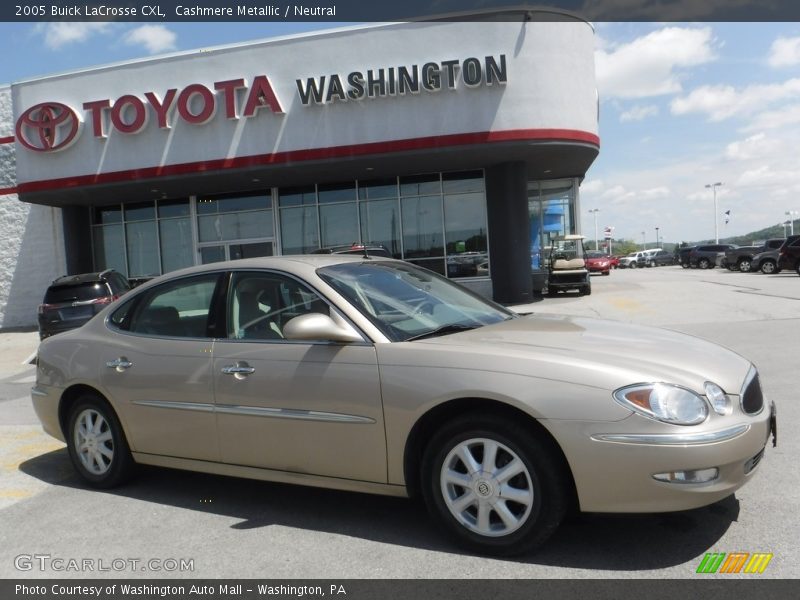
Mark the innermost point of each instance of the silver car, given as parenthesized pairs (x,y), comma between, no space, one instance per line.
(377,376)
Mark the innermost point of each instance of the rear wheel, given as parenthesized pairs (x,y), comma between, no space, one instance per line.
(494,485)
(633,264)
(704,263)
(744,265)
(96,443)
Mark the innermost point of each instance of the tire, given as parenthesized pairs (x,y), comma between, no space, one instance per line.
(467,501)
(769,267)
(797,268)
(684,265)
(102,457)
(704,263)
(585,290)
(744,265)
(633,265)
(651,264)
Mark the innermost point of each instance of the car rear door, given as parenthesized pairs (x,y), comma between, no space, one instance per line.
(305,407)
(158,368)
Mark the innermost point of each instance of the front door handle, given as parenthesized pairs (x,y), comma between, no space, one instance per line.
(120,364)
(240,369)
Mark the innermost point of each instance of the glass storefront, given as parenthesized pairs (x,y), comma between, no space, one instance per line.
(435,220)
(143,239)
(551,209)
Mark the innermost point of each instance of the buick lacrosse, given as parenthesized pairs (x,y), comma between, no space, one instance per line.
(374,375)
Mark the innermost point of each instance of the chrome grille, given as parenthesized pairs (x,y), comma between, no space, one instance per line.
(753,398)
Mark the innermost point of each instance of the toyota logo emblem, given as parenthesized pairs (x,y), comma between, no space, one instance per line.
(48,127)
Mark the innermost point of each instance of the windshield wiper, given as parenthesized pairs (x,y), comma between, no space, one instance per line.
(443,330)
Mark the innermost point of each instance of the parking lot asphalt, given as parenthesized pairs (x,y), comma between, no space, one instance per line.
(238,528)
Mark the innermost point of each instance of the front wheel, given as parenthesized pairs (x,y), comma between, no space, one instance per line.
(494,485)
(744,265)
(768,267)
(704,263)
(96,443)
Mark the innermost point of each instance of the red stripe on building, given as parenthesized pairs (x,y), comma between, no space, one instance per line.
(425,143)
(7,140)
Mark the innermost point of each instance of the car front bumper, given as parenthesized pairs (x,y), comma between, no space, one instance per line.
(614,464)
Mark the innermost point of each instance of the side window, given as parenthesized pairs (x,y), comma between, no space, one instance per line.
(260,304)
(176,309)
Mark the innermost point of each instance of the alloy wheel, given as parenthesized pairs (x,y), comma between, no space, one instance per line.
(486,487)
(94,441)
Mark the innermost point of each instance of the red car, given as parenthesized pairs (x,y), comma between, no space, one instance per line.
(597,262)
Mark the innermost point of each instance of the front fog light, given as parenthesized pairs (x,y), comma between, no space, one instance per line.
(718,398)
(692,476)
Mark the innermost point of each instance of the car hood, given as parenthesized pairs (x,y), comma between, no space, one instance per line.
(599,353)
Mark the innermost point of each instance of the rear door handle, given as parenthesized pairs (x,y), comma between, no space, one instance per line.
(120,364)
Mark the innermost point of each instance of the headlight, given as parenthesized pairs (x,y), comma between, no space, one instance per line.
(664,402)
(718,398)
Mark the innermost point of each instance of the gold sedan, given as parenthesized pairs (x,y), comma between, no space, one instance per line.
(377,376)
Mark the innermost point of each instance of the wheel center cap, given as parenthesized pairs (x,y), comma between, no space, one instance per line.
(483,488)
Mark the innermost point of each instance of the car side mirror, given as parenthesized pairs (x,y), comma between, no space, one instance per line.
(318,327)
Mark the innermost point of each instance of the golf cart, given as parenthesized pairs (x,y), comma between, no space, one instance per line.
(567,269)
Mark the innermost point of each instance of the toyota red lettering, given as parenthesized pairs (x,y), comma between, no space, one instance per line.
(52,126)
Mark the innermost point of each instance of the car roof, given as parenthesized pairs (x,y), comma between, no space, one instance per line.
(289,262)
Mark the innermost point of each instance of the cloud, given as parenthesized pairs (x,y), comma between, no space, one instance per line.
(720,102)
(57,35)
(785,52)
(649,65)
(155,38)
(638,113)
(754,147)
(775,119)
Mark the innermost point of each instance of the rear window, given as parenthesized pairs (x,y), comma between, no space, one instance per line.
(75,293)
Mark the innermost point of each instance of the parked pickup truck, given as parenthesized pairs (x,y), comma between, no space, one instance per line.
(741,258)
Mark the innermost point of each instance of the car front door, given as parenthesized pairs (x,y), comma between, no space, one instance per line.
(304,407)
(158,369)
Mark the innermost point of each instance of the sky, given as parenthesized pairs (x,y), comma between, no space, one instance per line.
(682,106)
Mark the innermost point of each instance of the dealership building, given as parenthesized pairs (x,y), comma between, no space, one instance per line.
(458,146)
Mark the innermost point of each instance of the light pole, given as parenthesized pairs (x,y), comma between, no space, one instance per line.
(714,187)
(791,214)
(595,211)
(785,225)
(657,238)
(644,241)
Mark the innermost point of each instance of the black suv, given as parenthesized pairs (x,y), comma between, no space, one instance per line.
(789,254)
(741,259)
(707,257)
(72,300)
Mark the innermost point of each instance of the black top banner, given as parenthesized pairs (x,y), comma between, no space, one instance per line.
(399,10)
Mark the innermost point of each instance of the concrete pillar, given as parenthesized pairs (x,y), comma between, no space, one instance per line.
(509,232)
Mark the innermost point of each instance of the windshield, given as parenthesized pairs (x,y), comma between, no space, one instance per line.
(406,302)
